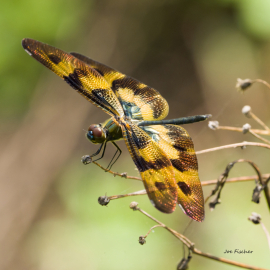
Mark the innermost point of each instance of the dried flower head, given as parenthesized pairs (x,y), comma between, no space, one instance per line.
(246,128)
(246,111)
(242,85)
(213,125)
(103,200)
(133,205)
(183,264)
(255,218)
(142,240)
(86,159)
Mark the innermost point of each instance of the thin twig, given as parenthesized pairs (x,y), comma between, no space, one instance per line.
(242,85)
(124,175)
(181,237)
(266,233)
(257,131)
(190,245)
(242,265)
(263,82)
(243,144)
(235,179)
(266,189)
(153,229)
(141,192)
(259,121)
(255,218)
(259,137)
(223,177)
(235,145)
(204,183)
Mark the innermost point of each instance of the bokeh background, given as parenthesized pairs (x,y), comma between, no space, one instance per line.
(192,52)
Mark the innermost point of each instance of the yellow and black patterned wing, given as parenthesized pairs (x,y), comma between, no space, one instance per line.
(154,166)
(84,79)
(139,101)
(178,146)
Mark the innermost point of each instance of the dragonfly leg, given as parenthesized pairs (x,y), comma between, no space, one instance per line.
(105,143)
(118,150)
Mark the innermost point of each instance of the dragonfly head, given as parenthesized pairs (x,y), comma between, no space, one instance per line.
(96,134)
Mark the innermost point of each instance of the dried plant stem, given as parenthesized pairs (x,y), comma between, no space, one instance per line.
(259,137)
(151,229)
(223,177)
(257,131)
(181,237)
(242,144)
(141,192)
(236,179)
(259,121)
(124,175)
(204,183)
(210,182)
(194,250)
(263,82)
(266,233)
(242,265)
(266,189)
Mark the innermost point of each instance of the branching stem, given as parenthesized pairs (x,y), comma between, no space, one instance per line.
(191,247)
(257,131)
(242,144)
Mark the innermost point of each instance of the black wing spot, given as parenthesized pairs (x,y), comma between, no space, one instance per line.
(74,80)
(144,165)
(54,58)
(126,82)
(116,84)
(179,148)
(184,187)
(177,164)
(186,162)
(160,186)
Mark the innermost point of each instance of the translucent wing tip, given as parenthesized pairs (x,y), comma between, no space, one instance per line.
(197,215)
(25,43)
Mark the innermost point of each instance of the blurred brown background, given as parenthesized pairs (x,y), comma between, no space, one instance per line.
(192,52)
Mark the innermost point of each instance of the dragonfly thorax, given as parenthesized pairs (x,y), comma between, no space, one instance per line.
(96,134)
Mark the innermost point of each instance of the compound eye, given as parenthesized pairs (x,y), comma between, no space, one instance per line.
(94,132)
(97,132)
(92,127)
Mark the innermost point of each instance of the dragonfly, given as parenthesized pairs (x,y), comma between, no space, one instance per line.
(162,150)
